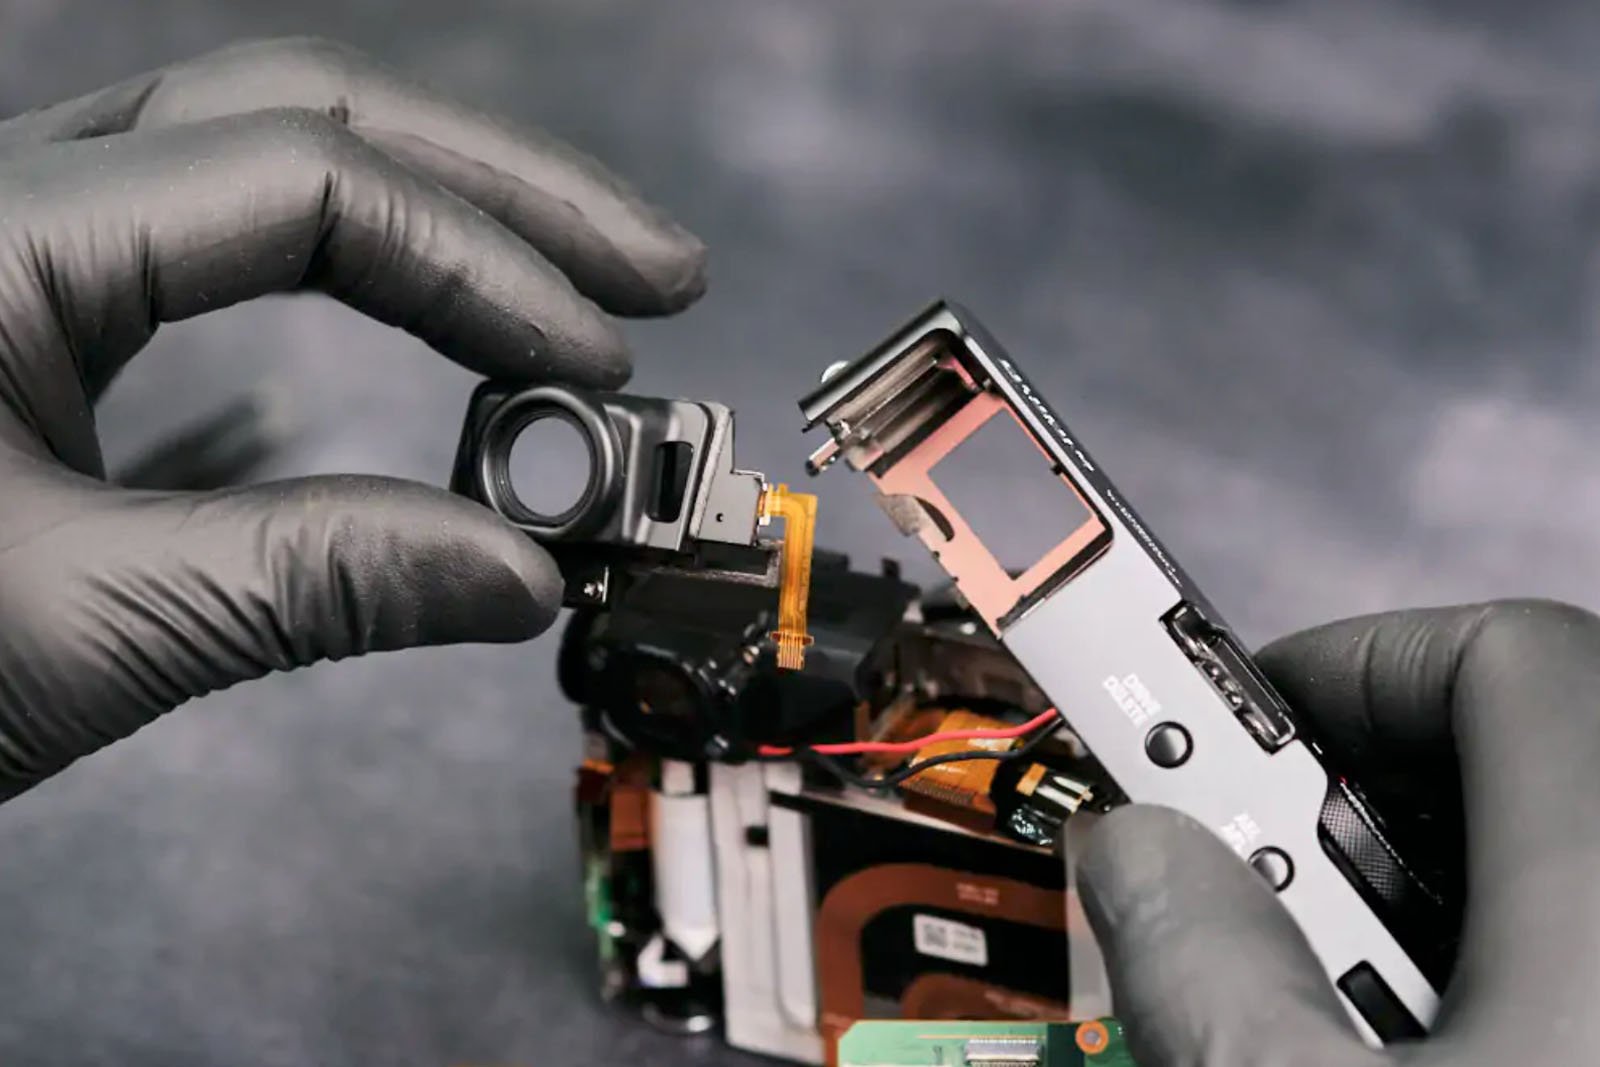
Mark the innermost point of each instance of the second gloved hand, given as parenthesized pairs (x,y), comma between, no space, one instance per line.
(1486,721)
(275,166)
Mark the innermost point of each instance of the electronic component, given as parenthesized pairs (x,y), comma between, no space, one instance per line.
(799,514)
(680,666)
(1116,635)
(1091,1043)
(1042,799)
(1031,801)
(1012,1050)
(833,901)
(919,918)
(960,792)
(657,491)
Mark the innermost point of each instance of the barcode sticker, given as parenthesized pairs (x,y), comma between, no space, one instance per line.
(950,940)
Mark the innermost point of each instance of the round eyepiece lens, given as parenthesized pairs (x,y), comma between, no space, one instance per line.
(549,466)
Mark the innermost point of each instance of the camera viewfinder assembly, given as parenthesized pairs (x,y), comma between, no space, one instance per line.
(661,494)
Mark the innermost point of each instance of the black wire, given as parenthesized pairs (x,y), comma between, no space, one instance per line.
(838,770)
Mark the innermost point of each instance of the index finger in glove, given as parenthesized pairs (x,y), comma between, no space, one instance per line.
(1513,688)
(618,250)
(126,233)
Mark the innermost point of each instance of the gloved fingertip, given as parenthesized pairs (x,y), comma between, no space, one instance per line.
(1205,965)
(1131,849)
(683,274)
(585,348)
(659,274)
(539,577)
(490,583)
(360,564)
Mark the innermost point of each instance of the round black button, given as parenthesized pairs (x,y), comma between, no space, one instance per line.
(1168,745)
(1274,865)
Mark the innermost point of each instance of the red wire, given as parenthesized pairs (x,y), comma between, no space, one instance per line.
(856,748)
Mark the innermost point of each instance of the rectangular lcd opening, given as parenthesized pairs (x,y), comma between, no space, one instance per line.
(1010,494)
(1070,533)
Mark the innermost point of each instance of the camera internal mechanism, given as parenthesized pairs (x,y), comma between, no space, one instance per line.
(642,486)
(783,853)
(788,846)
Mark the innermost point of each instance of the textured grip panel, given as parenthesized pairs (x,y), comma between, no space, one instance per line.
(1422,916)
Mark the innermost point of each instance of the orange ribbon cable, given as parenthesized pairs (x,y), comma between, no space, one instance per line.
(799,514)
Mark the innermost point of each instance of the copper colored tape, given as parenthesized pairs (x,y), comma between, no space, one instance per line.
(955,812)
(964,784)
(630,819)
(630,807)
(1031,780)
(901,721)
(951,996)
(853,903)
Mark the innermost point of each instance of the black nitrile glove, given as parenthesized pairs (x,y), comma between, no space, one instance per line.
(1487,714)
(275,166)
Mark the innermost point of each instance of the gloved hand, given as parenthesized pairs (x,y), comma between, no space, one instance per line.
(1208,969)
(274,166)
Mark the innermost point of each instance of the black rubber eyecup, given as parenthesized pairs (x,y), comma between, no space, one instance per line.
(600,491)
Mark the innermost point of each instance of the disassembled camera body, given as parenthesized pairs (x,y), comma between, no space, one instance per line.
(787,844)
(779,900)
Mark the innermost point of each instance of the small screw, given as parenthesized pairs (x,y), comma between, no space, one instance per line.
(597,659)
(592,589)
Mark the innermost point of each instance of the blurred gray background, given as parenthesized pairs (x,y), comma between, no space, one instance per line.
(1314,280)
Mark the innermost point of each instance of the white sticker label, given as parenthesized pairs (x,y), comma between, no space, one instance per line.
(950,940)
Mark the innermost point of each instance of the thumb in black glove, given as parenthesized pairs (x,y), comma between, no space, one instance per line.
(275,166)
(1493,704)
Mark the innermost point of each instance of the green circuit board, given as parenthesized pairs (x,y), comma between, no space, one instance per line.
(900,1043)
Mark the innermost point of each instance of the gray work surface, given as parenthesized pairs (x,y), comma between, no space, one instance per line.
(1315,281)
